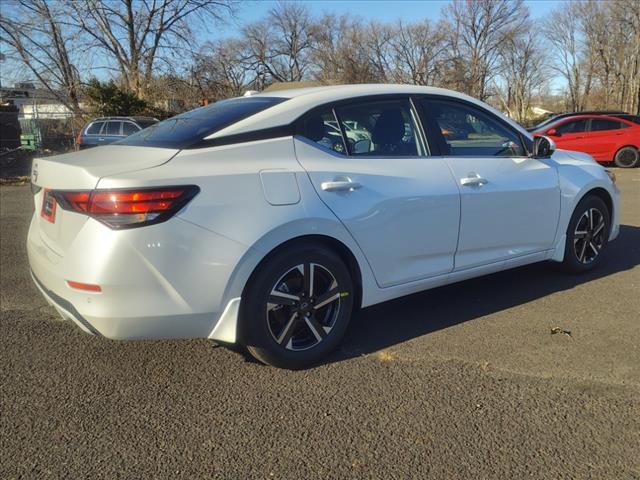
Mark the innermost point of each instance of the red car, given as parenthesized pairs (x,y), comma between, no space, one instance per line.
(605,138)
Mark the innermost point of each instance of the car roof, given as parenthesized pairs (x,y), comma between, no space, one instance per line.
(586,117)
(301,100)
(132,118)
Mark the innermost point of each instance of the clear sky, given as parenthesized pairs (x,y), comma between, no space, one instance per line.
(384,10)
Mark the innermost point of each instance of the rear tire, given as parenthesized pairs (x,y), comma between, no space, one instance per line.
(627,157)
(587,235)
(296,307)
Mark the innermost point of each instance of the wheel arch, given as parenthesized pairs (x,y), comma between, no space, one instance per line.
(603,194)
(332,243)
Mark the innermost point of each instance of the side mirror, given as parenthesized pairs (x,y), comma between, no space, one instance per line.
(553,132)
(543,147)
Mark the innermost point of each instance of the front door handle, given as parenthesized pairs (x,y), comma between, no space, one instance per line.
(340,184)
(473,180)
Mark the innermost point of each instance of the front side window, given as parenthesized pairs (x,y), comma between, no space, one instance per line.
(94,128)
(468,131)
(574,126)
(381,128)
(601,124)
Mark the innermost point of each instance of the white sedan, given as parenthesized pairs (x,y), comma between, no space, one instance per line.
(259,221)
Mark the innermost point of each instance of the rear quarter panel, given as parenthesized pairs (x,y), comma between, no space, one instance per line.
(233,201)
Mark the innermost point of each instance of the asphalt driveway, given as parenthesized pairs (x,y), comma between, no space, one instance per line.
(465,381)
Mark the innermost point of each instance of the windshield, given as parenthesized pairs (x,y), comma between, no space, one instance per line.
(545,123)
(190,127)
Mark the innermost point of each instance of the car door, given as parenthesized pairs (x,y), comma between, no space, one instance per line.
(111,132)
(571,135)
(510,203)
(603,136)
(92,134)
(400,205)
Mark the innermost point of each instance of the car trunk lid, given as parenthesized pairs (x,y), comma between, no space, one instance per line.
(82,171)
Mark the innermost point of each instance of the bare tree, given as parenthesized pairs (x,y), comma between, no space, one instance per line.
(221,70)
(524,72)
(478,30)
(281,44)
(564,34)
(418,51)
(341,52)
(137,34)
(35,36)
(611,33)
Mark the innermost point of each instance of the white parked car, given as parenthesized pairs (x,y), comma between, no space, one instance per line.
(255,221)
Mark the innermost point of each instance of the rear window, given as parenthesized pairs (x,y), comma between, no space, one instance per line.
(146,123)
(190,127)
(630,118)
(600,124)
(94,128)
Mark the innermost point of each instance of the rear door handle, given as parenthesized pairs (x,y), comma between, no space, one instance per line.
(340,184)
(473,180)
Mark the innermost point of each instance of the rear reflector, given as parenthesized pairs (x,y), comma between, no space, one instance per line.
(128,208)
(87,287)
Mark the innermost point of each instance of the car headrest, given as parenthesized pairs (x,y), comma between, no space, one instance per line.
(389,128)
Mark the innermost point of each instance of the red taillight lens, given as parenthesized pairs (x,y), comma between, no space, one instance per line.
(129,208)
(79,139)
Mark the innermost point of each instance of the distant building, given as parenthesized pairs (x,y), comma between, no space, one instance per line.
(34,102)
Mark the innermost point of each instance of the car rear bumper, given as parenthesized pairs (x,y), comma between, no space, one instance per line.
(164,281)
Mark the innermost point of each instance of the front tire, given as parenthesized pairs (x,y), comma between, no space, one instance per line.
(297,306)
(587,235)
(627,157)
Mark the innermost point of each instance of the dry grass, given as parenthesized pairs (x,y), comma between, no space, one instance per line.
(386,356)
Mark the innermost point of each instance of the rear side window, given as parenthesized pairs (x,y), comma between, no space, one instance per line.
(94,128)
(190,127)
(575,126)
(128,128)
(381,128)
(113,128)
(469,131)
(600,124)
(322,128)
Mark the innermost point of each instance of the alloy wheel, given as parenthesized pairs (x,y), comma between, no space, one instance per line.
(627,157)
(589,236)
(303,306)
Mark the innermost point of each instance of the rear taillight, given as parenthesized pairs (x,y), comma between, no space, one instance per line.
(128,208)
(79,139)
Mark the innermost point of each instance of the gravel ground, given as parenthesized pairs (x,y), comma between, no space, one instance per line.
(464,381)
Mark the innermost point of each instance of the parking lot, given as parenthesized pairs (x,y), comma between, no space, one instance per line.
(465,381)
